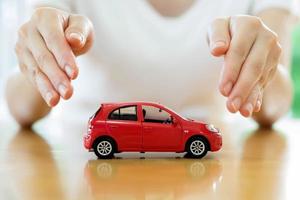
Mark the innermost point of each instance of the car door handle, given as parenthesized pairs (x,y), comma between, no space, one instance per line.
(148,128)
(113,126)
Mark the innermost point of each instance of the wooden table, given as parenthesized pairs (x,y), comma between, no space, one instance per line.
(50,162)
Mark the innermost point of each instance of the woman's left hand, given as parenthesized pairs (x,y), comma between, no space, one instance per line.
(251,55)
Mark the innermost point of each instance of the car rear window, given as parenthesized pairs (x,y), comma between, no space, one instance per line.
(124,113)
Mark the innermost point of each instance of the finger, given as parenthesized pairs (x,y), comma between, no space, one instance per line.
(53,35)
(271,64)
(46,89)
(79,33)
(19,50)
(218,36)
(250,105)
(48,65)
(241,43)
(38,78)
(258,104)
(251,73)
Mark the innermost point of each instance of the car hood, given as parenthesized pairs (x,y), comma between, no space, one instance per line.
(194,124)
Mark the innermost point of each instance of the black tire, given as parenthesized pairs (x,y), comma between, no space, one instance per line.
(104,148)
(196,147)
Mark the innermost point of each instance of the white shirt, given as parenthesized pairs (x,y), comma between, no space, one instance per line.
(140,55)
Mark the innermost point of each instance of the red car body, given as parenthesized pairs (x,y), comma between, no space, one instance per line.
(134,132)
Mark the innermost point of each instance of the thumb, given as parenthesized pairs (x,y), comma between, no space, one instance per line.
(79,34)
(218,36)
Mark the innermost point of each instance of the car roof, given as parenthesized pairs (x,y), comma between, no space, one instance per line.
(130,103)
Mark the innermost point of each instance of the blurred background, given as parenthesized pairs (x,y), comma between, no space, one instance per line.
(14,12)
(296,71)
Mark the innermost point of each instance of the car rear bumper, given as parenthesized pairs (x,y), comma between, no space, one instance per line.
(87,141)
(217,143)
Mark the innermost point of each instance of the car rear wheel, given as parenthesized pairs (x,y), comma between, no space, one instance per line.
(197,148)
(104,148)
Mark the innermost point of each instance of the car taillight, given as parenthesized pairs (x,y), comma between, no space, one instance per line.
(89,129)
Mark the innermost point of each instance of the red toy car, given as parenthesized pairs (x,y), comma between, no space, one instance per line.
(147,127)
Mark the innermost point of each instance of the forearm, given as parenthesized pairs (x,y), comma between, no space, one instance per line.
(277,99)
(24,102)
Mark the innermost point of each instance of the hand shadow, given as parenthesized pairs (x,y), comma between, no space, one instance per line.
(260,170)
(33,170)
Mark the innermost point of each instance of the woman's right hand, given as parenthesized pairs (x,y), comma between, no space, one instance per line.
(46,49)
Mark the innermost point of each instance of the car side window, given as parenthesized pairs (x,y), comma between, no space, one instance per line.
(125,113)
(156,115)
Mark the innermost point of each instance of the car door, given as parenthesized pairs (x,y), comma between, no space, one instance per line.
(125,127)
(159,132)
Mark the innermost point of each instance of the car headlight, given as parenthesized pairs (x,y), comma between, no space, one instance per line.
(211,128)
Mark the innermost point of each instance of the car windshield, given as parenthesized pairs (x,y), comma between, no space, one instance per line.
(177,114)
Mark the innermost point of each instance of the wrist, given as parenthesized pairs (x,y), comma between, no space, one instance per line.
(24,102)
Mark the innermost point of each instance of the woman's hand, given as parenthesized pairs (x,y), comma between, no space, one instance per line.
(46,49)
(251,55)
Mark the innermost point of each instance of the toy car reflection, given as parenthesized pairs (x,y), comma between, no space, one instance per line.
(141,178)
(147,127)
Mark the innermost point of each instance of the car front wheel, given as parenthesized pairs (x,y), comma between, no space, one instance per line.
(197,148)
(104,148)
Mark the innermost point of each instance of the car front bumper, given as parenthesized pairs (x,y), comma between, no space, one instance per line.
(216,145)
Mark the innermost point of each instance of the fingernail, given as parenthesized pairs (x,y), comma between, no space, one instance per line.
(69,71)
(258,104)
(227,88)
(249,109)
(77,36)
(62,89)
(48,97)
(236,104)
(218,44)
